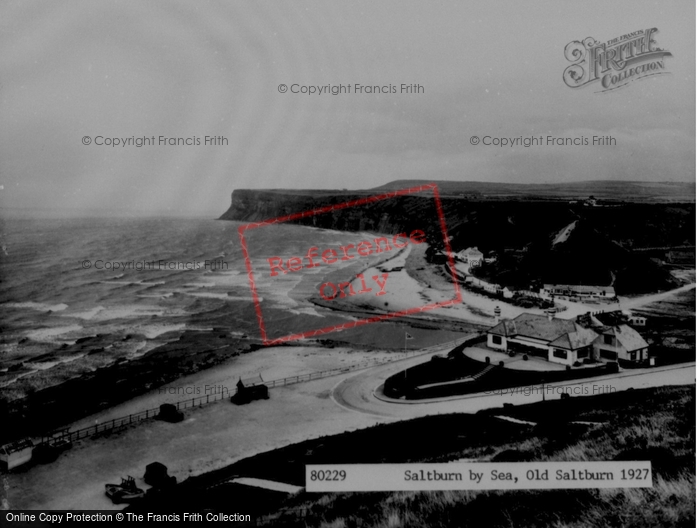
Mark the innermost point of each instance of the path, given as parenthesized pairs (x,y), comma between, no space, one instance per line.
(359,392)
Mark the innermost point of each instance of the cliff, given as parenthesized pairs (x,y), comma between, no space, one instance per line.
(518,228)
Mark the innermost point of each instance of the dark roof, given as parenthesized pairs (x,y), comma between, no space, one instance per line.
(563,333)
(627,336)
(580,338)
(249,382)
(17,445)
(534,326)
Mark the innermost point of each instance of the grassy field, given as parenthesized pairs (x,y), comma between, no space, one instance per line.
(656,425)
(458,366)
(651,424)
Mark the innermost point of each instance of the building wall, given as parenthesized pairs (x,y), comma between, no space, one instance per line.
(503,345)
(601,347)
(17,458)
(568,360)
(640,355)
(475,262)
(565,292)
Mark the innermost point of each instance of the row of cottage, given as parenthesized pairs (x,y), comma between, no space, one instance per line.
(567,341)
(470,258)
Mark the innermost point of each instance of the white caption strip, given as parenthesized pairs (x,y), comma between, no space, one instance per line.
(478,476)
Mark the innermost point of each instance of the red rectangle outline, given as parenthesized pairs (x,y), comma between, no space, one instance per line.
(350,324)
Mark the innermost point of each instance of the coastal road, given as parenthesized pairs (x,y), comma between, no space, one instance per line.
(629,303)
(214,436)
(358,393)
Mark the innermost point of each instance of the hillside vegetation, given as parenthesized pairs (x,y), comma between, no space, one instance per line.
(520,231)
(651,424)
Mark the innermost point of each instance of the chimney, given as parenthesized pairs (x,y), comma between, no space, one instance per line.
(497,313)
(550,313)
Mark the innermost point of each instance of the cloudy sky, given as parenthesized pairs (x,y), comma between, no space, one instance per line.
(193,69)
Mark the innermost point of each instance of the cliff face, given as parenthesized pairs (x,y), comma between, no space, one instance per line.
(488,222)
(393,215)
(519,230)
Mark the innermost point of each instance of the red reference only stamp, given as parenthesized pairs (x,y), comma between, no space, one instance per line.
(328,256)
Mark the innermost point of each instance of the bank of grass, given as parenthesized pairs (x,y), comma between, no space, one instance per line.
(651,424)
(666,504)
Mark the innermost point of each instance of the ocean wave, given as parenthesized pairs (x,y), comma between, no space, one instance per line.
(40,307)
(309,310)
(224,296)
(48,333)
(132,283)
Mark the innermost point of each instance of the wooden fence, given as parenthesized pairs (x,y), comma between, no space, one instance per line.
(109,426)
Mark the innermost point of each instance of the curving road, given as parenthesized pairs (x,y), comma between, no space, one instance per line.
(359,392)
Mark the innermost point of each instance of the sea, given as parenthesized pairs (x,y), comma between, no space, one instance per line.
(147,280)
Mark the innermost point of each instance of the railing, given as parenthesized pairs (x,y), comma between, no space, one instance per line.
(483,372)
(109,426)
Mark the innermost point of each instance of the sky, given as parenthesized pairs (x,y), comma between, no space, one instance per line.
(74,72)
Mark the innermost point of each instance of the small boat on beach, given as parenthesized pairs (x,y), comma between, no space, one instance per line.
(124,492)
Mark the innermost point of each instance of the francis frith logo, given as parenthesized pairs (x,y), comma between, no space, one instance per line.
(615,63)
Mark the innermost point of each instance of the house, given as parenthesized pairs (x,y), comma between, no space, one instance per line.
(622,342)
(16,453)
(566,341)
(573,290)
(472,256)
(249,390)
(617,317)
(557,340)
(637,320)
(463,271)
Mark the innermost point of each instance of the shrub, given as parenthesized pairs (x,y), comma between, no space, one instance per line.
(525,358)
(513,455)
(577,363)
(511,353)
(612,367)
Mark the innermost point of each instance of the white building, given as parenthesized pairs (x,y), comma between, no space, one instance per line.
(577,290)
(16,453)
(472,256)
(566,341)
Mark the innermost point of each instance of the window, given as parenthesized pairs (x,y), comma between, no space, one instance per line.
(633,355)
(608,354)
(561,354)
(583,353)
(608,339)
(496,340)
